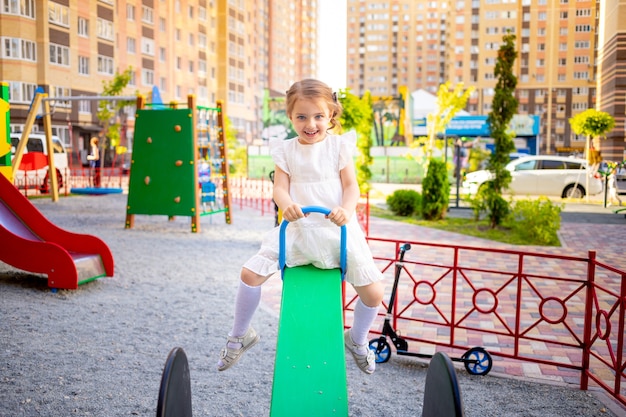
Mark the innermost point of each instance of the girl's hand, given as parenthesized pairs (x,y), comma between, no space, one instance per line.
(293,212)
(339,215)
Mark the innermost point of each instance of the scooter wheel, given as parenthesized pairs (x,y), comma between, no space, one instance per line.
(381,349)
(477,361)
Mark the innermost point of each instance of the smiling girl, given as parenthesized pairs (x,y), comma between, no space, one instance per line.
(314,169)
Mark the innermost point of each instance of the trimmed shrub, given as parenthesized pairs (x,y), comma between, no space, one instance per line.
(404,202)
(435,191)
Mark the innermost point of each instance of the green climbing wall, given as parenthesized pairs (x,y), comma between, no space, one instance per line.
(162,175)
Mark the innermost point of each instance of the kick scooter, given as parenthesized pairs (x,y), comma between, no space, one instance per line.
(477,360)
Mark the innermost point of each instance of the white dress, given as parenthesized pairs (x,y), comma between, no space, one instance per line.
(315,181)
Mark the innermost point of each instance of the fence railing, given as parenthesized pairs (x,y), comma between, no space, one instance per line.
(560,311)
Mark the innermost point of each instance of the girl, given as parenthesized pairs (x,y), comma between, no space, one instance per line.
(315,168)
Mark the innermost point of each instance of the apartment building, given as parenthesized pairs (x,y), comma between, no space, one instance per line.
(422,44)
(612,75)
(214,49)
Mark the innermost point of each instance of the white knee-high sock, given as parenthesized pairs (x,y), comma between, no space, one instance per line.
(246,303)
(364,316)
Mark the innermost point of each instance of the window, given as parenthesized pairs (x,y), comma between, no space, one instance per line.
(105,65)
(59,55)
(147,77)
(84,106)
(147,14)
(550,164)
(83,27)
(58,14)
(20,92)
(147,46)
(16,48)
(83,65)
(162,26)
(131,45)
(105,29)
(130,12)
(24,8)
(133,79)
(162,54)
(56,91)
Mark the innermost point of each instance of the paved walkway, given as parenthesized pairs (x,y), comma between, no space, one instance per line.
(584,227)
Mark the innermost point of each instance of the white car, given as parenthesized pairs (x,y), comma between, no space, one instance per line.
(39,179)
(546,175)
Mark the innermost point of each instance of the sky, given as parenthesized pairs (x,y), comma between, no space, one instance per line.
(332,42)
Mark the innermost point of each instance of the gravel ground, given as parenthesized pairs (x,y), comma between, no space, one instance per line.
(100,350)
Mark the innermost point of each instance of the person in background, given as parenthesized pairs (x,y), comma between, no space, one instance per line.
(94,161)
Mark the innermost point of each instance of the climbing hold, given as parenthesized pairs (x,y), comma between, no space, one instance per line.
(177,199)
(147,180)
(149,140)
(179,163)
(177,128)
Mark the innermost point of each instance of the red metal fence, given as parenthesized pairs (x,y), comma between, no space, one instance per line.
(563,312)
(32,184)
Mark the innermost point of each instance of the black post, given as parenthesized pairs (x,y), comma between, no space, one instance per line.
(457,169)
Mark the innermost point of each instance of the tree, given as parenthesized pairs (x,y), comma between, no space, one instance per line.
(108,110)
(594,124)
(503,108)
(449,102)
(358,115)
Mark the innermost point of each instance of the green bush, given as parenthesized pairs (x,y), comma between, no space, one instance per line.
(435,191)
(404,202)
(539,220)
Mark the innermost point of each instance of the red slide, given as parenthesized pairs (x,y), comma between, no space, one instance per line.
(32,243)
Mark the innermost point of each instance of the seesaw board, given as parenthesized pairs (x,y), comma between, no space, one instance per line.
(310,367)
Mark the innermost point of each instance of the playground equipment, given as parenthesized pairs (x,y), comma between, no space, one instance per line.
(164,175)
(213,165)
(307,382)
(477,360)
(32,243)
(175,390)
(442,394)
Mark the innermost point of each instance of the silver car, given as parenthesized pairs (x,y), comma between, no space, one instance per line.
(548,175)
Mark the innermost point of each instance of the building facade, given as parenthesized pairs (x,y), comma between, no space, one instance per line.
(421,44)
(214,49)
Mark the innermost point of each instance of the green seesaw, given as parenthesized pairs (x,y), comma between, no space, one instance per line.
(310,366)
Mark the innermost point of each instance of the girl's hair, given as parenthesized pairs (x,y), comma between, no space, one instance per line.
(314,89)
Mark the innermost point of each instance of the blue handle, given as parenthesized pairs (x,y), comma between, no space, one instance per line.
(313,209)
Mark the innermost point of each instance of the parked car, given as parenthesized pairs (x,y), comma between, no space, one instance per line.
(40,179)
(547,175)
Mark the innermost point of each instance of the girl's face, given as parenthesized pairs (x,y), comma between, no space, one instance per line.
(311,120)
